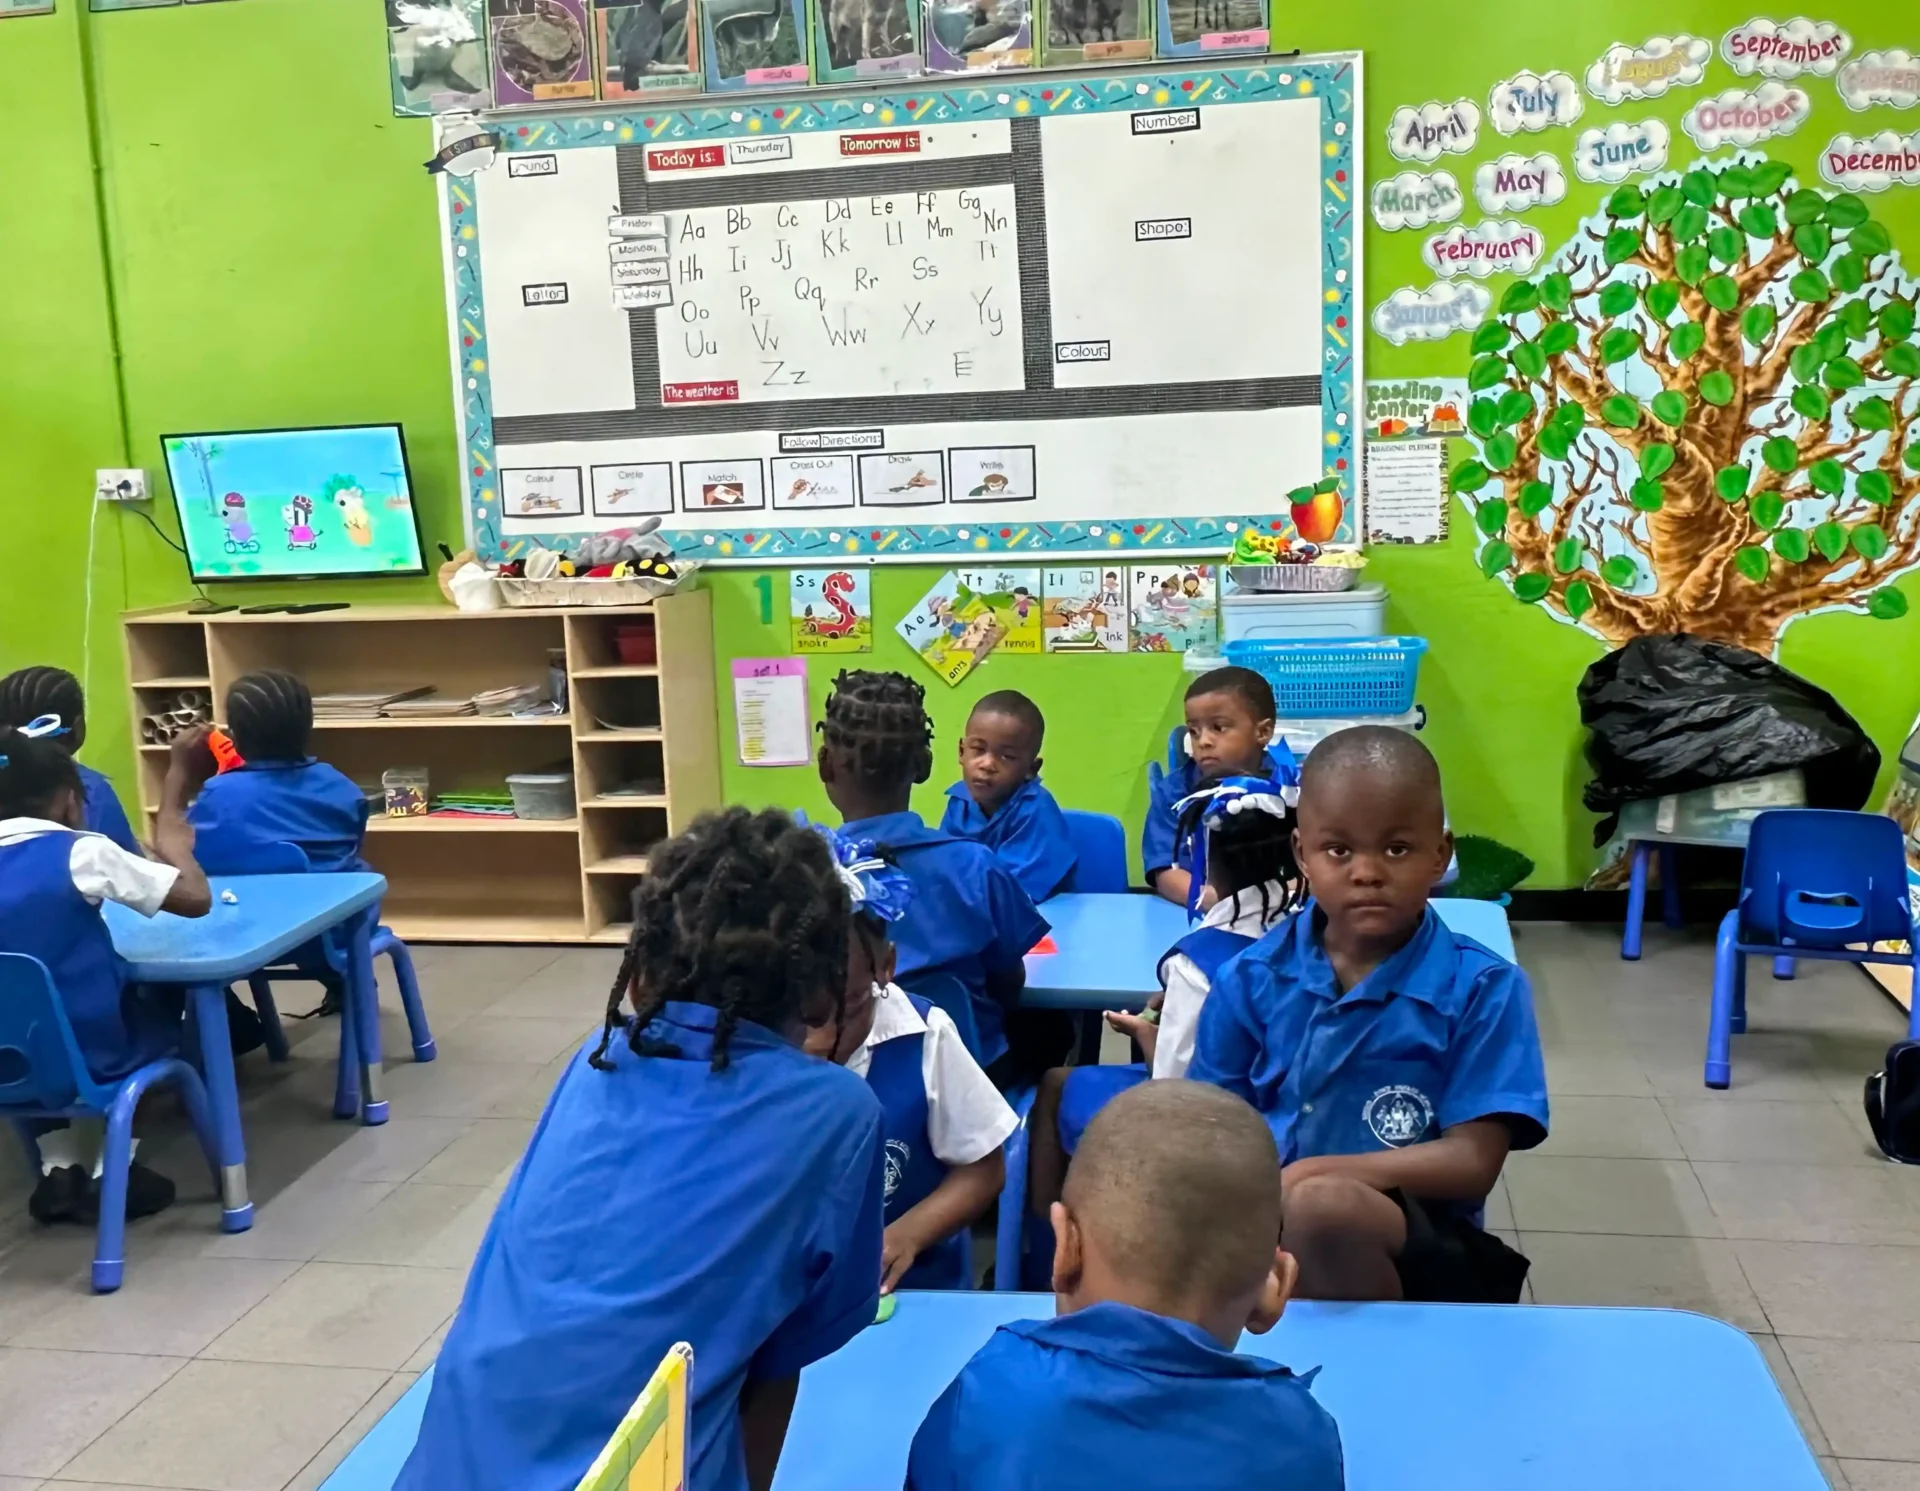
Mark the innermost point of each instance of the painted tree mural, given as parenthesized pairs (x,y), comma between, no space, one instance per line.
(1700,415)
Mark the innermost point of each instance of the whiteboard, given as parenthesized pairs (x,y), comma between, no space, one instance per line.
(1067,314)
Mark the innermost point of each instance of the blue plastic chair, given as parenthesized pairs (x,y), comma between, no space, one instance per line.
(1010,1231)
(43,1075)
(1817,883)
(1100,846)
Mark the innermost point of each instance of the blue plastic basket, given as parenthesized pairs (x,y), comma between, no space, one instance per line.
(1318,680)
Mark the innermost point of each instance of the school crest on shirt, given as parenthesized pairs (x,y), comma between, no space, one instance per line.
(1398,1115)
(898,1155)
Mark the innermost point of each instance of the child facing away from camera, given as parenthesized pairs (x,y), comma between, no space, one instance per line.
(963,941)
(1396,1062)
(1229,733)
(696,1177)
(54,875)
(945,1123)
(30,694)
(999,800)
(1164,1254)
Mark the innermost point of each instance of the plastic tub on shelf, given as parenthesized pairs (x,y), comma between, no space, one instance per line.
(542,794)
(1321,680)
(1249,617)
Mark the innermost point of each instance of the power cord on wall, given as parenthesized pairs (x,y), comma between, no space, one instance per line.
(168,539)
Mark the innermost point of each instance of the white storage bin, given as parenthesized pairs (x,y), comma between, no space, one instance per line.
(1360,612)
(542,794)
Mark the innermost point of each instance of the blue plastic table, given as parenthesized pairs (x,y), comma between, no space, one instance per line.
(1110,947)
(269,917)
(1443,1397)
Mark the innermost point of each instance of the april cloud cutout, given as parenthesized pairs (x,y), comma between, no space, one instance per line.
(1433,130)
(1785,49)
(1413,200)
(1891,78)
(1650,69)
(1514,183)
(1433,314)
(1744,117)
(1620,150)
(1530,102)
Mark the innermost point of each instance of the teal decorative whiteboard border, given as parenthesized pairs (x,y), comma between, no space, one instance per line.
(1333,79)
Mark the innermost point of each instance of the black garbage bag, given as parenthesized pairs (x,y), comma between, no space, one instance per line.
(1673,713)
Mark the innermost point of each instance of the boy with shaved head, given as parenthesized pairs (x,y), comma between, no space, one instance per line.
(1164,1253)
(1396,1062)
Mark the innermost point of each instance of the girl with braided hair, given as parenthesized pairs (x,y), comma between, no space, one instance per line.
(962,943)
(696,1177)
(29,694)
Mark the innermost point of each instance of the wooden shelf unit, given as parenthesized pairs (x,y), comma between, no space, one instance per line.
(653,727)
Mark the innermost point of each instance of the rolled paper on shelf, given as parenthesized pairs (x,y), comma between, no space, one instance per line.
(149,730)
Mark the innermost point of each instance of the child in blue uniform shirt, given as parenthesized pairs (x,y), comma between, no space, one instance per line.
(53,876)
(29,694)
(1230,721)
(1396,1062)
(999,800)
(1164,1254)
(962,943)
(281,795)
(945,1123)
(696,1177)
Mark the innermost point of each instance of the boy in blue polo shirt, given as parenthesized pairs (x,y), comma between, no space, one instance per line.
(1396,1062)
(1230,721)
(999,800)
(1164,1254)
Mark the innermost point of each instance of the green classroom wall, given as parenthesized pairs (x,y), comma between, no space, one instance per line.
(268,254)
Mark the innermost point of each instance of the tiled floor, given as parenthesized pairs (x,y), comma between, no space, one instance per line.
(253,1362)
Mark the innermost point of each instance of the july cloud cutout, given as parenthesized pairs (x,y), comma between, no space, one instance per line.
(1530,102)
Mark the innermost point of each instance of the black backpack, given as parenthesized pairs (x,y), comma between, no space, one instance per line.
(1893,1103)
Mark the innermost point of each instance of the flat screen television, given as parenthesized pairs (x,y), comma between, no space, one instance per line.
(329,503)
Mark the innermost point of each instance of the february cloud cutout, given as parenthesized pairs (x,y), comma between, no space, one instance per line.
(1414,200)
(1529,102)
(1650,69)
(1433,314)
(1514,183)
(1491,247)
(1785,49)
(1742,116)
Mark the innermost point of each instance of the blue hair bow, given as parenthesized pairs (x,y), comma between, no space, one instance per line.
(34,729)
(876,888)
(1276,796)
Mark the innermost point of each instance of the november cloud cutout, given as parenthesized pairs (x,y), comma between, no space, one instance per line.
(1891,78)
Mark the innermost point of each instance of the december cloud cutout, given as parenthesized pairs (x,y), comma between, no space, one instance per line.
(1620,150)
(1414,200)
(1650,69)
(1874,163)
(1742,116)
(1514,183)
(1432,314)
(1891,78)
(1530,102)
(1785,49)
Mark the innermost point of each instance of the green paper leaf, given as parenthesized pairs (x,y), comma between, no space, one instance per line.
(1736,181)
(1805,207)
(1832,338)
(1810,286)
(1520,297)
(1623,412)
(1726,244)
(1620,572)
(1759,220)
(1626,202)
(1578,599)
(1791,545)
(1896,320)
(1470,476)
(1691,264)
(1875,487)
(1830,538)
(1495,557)
(1556,291)
(1731,483)
(1663,204)
(1568,555)
(1846,211)
(1687,338)
(1559,338)
(1781,454)
(1873,413)
(1869,541)
(1767,509)
(1721,292)
(1688,224)
(1663,299)
(1618,298)
(1911,455)
(1757,324)
(1656,460)
(1535,498)
(1554,441)
(1717,388)
(1828,476)
(1843,373)
(1849,273)
(1805,362)
(1528,360)
(1490,517)
(1648,496)
(1618,344)
(1902,360)
(1870,239)
(1699,188)
(1487,372)
(1483,417)
(1808,402)
(1498,453)
(1770,176)
(1886,604)
(1514,406)
(1669,407)
(1855,321)
(1620,245)
(1752,563)
(1531,586)
(1813,240)
(1492,336)
(1572,416)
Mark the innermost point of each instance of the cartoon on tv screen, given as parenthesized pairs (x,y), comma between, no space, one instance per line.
(295,502)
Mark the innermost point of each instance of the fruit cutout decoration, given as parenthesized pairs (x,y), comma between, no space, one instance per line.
(1317,510)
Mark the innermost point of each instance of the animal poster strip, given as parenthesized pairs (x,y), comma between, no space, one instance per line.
(632,491)
(831,610)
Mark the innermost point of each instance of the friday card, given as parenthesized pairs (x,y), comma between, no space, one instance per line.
(1084,609)
(1175,607)
(952,628)
(1013,595)
(831,610)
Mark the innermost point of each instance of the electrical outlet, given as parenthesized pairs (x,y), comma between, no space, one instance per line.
(111,484)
